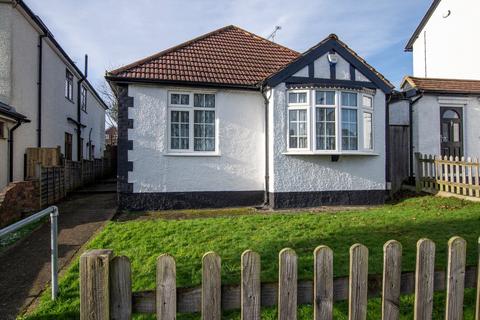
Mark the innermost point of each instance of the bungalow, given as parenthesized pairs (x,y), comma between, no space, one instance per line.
(442,98)
(232,119)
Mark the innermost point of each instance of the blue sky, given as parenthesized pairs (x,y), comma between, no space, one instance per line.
(117,32)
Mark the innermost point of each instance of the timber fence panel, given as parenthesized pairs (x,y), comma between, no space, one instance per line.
(287,285)
(166,299)
(250,286)
(358,283)
(323,283)
(106,285)
(392,272)
(211,286)
(424,279)
(120,288)
(455,278)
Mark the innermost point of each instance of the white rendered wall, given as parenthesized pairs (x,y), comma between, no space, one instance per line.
(451,43)
(426,123)
(342,70)
(21,43)
(399,113)
(4,152)
(240,166)
(299,173)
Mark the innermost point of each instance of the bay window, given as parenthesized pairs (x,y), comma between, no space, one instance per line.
(192,122)
(341,121)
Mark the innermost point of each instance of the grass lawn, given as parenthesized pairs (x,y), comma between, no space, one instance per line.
(143,240)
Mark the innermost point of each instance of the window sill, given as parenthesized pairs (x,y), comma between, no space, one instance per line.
(192,154)
(333,153)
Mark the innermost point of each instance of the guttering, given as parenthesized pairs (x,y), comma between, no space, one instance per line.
(39,87)
(266,202)
(79,109)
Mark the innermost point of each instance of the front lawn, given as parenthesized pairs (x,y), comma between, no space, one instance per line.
(143,240)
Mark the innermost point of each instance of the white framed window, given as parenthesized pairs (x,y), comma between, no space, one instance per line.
(192,122)
(349,103)
(325,120)
(68,85)
(83,98)
(341,121)
(367,105)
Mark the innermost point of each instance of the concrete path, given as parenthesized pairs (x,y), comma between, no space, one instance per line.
(25,267)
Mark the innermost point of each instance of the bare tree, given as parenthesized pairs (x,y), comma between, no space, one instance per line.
(110,96)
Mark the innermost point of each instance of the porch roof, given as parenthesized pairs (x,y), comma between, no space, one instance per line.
(437,85)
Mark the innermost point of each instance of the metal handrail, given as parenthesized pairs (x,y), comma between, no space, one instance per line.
(53,212)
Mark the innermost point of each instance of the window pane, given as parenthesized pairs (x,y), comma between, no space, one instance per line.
(175,98)
(325,123)
(210,100)
(367,101)
(198,100)
(325,98)
(297,97)
(302,97)
(367,131)
(292,97)
(349,99)
(185,99)
(204,130)
(297,129)
(349,129)
(179,130)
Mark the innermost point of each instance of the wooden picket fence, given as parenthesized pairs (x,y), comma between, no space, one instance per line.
(448,175)
(106,285)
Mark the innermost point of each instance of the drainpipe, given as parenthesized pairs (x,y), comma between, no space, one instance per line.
(10,149)
(90,144)
(79,109)
(39,87)
(266,201)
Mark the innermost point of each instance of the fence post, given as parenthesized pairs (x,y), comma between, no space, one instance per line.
(287,285)
(418,173)
(455,278)
(120,288)
(166,288)
(392,272)
(250,286)
(424,279)
(358,282)
(323,283)
(94,285)
(211,286)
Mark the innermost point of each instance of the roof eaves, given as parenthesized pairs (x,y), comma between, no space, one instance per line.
(423,22)
(10,112)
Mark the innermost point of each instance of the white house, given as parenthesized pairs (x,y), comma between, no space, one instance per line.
(41,82)
(230,119)
(443,95)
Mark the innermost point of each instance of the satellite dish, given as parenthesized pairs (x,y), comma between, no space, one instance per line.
(332,57)
(446,14)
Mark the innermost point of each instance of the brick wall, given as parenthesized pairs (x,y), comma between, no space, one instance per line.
(17,200)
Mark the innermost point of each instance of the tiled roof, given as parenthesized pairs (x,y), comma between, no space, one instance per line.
(443,85)
(228,56)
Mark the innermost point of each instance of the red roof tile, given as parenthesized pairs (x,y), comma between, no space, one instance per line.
(230,56)
(443,85)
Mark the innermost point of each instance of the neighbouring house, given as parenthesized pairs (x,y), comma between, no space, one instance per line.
(111,136)
(10,120)
(442,98)
(43,84)
(230,119)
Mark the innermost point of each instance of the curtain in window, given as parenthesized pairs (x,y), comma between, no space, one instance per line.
(349,129)
(180,127)
(204,130)
(298,129)
(325,127)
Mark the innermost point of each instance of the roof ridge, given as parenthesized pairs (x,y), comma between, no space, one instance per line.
(442,79)
(191,41)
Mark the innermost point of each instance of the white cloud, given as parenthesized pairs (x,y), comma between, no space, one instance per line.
(117,32)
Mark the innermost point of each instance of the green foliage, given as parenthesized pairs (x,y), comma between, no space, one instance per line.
(187,240)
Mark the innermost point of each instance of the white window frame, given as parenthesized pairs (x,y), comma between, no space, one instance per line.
(314,113)
(299,106)
(370,110)
(311,107)
(83,98)
(357,108)
(191,124)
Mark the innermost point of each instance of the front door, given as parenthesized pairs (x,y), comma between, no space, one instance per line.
(451,131)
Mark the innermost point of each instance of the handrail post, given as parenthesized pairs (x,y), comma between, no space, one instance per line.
(54,250)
